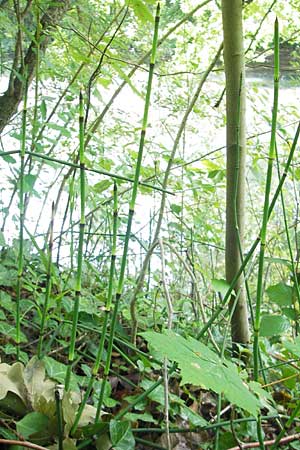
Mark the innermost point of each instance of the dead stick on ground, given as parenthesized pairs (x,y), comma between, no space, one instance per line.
(22,444)
(284,440)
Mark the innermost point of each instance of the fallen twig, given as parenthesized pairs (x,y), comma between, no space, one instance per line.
(22,444)
(284,440)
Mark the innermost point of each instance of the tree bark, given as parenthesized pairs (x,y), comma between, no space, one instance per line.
(236,150)
(10,100)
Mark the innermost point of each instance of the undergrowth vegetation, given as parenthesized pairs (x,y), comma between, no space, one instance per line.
(116,321)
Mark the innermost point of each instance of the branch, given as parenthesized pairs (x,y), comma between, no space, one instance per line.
(284,440)
(22,444)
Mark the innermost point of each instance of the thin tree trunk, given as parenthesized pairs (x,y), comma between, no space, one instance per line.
(236,149)
(10,100)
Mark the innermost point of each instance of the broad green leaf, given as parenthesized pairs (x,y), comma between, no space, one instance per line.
(273,325)
(141,11)
(10,330)
(33,422)
(200,366)
(64,131)
(221,286)
(293,347)
(8,158)
(176,208)
(57,371)
(101,186)
(121,435)
(281,294)
(193,418)
(29,181)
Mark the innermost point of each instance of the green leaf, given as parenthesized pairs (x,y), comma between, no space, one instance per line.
(57,371)
(141,11)
(176,208)
(101,186)
(64,131)
(273,325)
(200,366)
(43,109)
(8,158)
(281,294)
(121,435)
(29,181)
(33,422)
(193,418)
(221,286)
(293,347)
(10,331)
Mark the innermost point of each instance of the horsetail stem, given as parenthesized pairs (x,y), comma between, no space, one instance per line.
(106,315)
(263,231)
(247,258)
(131,210)
(71,356)
(48,284)
(22,218)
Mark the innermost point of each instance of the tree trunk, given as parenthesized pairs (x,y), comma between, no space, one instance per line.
(10,100)
(236,149)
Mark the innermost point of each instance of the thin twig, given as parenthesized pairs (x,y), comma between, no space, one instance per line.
(284,440)
(22,444)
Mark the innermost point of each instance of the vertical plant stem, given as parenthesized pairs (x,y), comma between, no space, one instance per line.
(60,432)
(48,285)
(288,239)
(22,218)
(170,321)
(263,233)
(80,245)
(251,251)
(105,321)
(131,208)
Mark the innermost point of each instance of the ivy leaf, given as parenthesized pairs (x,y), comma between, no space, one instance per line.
(57,371)
(273,325)
(281,294)
(33,422)
(200,366)
(121,435)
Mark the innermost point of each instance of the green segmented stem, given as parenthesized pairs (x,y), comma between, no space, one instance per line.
(80,245)
(263,232)
(22,218)
(59,415)
(106,316)
(48,285)
(131,210)
(247,258)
